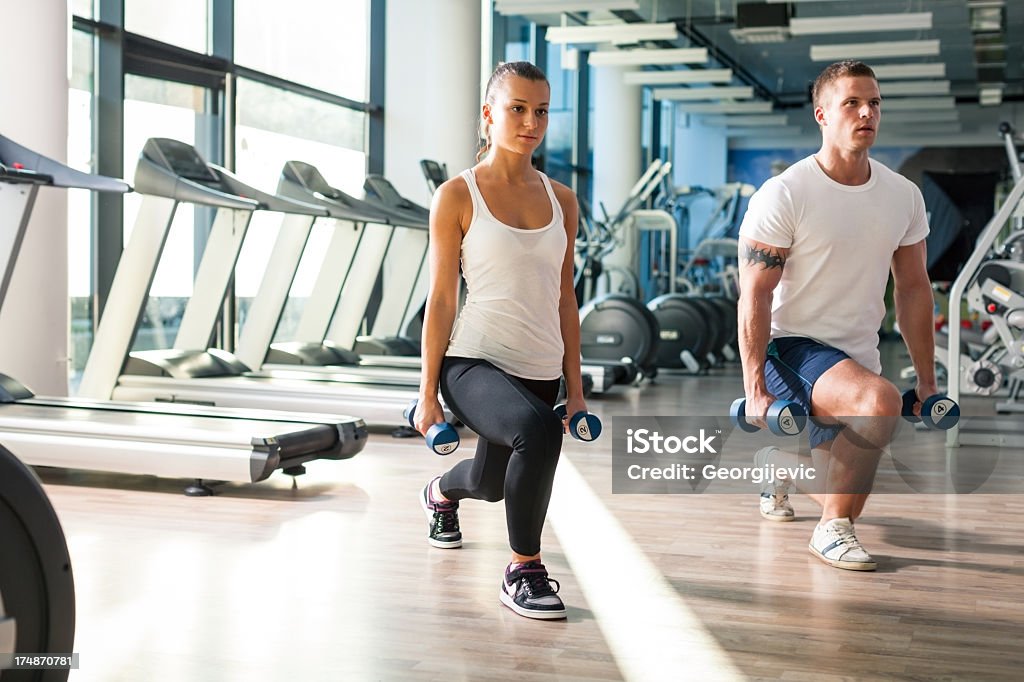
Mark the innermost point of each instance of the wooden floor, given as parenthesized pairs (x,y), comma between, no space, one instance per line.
(332,579)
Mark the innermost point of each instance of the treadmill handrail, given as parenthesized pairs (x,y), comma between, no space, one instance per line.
(154,180)
(269,202)
(61,174)
(294,183)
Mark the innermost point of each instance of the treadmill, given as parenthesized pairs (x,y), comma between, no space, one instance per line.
(394,319)
(170,173)
(334,314)
(180,441)
(345,282)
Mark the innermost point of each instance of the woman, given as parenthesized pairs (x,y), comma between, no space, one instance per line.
(498,366)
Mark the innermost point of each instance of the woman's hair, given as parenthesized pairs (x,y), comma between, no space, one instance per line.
(833,72)
(505,69)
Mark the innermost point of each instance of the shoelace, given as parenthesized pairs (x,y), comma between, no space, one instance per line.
(446,519)
(536,581)
(847,536)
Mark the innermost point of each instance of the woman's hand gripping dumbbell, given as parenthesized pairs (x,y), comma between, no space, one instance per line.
(582,425)
(784,417)
(442,437)
(937,411)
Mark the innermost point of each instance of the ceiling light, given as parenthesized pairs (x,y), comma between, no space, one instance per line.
(686,55)
(769,120)
(919,116)
(690,94)
(861,23)
(904,88)
(918,103)
(990,96)
(612,33)
(756,35)
(726,108)
(892,48)
(900,71)
(549,7)
(764,132)
(677,76)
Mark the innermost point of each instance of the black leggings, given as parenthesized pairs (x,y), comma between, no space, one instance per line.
(520,440)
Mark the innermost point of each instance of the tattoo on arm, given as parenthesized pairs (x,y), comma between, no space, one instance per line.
(766,257)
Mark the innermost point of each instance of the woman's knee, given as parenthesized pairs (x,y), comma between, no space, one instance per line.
(491,493)
(541,433)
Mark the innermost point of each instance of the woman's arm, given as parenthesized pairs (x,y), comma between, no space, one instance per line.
(447,217)
(568,310)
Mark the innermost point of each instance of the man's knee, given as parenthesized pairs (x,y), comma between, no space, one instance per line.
(879,398)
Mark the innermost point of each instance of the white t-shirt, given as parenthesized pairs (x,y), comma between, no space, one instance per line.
(841,240)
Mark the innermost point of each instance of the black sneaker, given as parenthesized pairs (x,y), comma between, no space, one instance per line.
(444,520)
(527,590)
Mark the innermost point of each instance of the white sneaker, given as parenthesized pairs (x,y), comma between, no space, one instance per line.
(775,504)
(835,543)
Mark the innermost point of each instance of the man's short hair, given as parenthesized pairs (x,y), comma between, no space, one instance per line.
(833,72)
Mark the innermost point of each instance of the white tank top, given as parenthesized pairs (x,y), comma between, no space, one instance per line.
(513,286)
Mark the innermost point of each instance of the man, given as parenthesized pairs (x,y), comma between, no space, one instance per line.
(817,245)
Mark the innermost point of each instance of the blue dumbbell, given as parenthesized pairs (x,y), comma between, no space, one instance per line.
(442,438)
(582,425)
(937,412)
(785,417)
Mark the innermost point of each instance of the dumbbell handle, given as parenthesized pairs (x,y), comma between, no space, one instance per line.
(784,417)
(937,411)
(582,425)
(442,437)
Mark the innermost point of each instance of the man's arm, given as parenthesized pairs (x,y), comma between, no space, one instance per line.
(915,308)
(760,272)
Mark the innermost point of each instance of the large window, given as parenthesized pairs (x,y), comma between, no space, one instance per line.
(300,73)
(181,22)
(82,8)
(319,43)
(561,118)
(276,126)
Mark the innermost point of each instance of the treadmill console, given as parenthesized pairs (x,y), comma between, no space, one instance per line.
(386,192)
(181,159)
(13,174)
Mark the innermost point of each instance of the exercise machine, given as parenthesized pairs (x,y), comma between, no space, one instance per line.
(994,286)
(181,441)
(37,588)
(170,173)
(344,283)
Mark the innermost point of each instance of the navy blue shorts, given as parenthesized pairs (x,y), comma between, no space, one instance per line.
(793,364)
